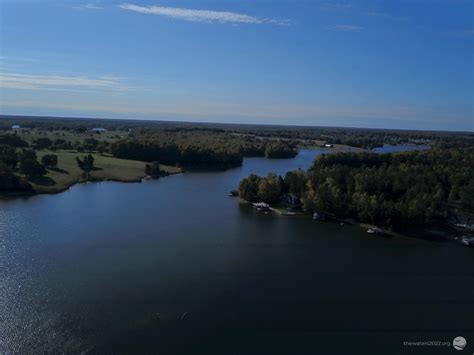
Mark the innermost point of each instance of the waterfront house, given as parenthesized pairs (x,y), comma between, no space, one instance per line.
(291,201)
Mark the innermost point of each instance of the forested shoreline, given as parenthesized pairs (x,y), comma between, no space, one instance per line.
(37,161)
(391,190)
(52,155)
(48,154)
(206,149)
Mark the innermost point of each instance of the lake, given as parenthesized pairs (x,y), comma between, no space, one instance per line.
(176,266)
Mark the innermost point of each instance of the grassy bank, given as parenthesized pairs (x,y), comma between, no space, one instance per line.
(107,168)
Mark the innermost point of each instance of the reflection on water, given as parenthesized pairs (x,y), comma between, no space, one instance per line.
(175,265)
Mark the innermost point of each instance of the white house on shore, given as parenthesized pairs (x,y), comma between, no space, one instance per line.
(98,129)
(16,126)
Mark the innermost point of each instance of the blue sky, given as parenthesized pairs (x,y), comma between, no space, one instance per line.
(382,64)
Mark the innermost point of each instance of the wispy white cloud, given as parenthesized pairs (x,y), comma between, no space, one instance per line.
(61,83)
(208,16)
(346,28)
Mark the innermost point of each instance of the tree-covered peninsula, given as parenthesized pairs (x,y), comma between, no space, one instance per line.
(211,149)
(50,155)
(394,190)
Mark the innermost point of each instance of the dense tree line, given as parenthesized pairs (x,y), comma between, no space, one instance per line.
(13,140)
(29,164)
(197,148)
(10,182)
(395,190)
(357,137)
(12,164)
(87,145)
(206,145)
(171,153)
(20,166)
(278,150)
(267,189)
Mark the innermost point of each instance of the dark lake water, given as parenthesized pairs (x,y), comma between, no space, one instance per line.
(87,271)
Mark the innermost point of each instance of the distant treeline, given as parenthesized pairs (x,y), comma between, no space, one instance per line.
(198,148)
(365,138)
(394,190)
(86,145)
(356,137)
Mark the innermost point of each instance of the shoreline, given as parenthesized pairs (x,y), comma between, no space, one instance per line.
(10,196)
(447,234)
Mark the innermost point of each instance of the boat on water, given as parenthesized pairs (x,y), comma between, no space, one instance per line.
(233,193)
(376,231)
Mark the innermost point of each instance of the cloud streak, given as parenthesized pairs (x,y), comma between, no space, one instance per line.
(207,16)
(61,83)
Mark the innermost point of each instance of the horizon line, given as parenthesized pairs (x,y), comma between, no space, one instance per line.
(2,116)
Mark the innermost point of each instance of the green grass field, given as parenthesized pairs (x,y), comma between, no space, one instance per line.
(68,173)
